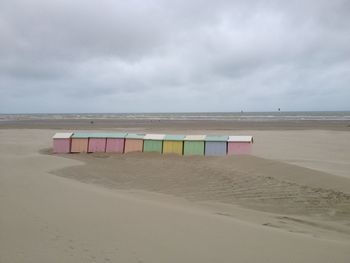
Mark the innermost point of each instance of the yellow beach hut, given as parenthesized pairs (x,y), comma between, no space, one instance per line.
(173,144)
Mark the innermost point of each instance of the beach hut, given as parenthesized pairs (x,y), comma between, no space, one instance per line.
(194,145)
(115,142)
(133,142)
(173,144)
(239,145)
(215,145)
(153,143)
(62,142)
(80,142)
(97,142)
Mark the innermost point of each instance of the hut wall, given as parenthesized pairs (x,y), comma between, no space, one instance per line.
(97,145)
(194,148)
(173,147)
(239,148)
(133,145)
(115,145)
(153,146)
(61,145)
(79,145)
(215,148)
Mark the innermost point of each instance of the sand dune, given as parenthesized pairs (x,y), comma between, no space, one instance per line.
(247,181)
(132,208)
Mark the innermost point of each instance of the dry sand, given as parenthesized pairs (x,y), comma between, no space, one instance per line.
(270,207)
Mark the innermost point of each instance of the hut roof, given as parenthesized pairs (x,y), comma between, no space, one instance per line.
(173,137)
(240,139)
(216,138)
(81,135)
(134,136)
(107,135)
(117,135)
(62,135)
(157,137)
(194,137)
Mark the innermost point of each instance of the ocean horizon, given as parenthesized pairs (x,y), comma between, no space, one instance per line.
(223,116)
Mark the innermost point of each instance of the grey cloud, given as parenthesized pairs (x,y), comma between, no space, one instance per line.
(173,55)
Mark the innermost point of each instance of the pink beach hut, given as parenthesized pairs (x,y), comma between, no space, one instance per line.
(115,142)
(62,142)
(97,142)
(239,145)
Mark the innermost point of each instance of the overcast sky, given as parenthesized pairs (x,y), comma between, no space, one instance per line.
(183,55)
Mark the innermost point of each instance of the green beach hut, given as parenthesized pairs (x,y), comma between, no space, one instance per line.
(194,145)
(153,143)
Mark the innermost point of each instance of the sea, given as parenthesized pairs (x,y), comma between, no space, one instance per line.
(223,116)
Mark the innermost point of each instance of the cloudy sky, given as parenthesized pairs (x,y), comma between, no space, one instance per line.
(184,55)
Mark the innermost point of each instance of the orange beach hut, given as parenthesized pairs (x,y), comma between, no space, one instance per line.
(133,142)
(80,142)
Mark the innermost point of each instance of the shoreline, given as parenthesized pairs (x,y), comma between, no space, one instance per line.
(176,125)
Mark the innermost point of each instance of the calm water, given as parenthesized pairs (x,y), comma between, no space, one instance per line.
(245,116)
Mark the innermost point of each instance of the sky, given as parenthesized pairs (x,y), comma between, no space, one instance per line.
(62,56)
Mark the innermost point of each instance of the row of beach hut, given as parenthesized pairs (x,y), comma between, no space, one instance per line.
(211,145)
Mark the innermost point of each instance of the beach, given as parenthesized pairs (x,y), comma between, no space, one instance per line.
(287,202)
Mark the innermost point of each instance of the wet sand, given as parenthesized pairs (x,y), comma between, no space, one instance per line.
(288,202)
(174,125)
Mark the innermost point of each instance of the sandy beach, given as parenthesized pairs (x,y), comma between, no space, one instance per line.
(253,96)
(288,202)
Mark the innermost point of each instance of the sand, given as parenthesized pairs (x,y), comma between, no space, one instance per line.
(175,125)
(289,202)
